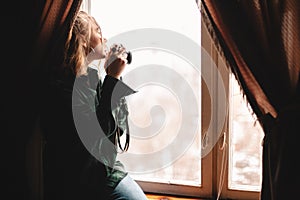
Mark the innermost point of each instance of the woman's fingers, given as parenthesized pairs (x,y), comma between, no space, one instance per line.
(116,68)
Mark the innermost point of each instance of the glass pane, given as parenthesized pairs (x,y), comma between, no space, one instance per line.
(164,113)
(164,120)
(245,158)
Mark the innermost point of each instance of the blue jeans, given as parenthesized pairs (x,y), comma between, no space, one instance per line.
(128,189)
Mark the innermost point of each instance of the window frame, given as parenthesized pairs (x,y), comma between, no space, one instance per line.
(212,162)
(226,192)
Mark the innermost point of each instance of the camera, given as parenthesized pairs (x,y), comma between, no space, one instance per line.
(118,50)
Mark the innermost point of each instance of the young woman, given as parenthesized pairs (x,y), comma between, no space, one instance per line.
(84,120)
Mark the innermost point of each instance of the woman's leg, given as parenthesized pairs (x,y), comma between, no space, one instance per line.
(128,189)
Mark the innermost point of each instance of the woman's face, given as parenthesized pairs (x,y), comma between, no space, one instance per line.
(97,42)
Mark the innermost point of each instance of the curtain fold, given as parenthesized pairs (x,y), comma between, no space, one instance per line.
(260,41)
(55,21)
(51,23)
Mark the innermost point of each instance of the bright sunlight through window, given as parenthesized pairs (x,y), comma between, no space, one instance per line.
(164,113)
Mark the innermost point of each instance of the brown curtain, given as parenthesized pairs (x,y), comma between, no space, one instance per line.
(260,40)
(54,22)
(36,33)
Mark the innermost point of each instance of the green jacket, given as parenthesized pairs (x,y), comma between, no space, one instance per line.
(82,121)
(96,103)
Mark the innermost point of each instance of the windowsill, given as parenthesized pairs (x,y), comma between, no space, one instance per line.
(168,197)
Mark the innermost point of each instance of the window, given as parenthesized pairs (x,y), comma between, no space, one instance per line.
(239,154)
(187,120)
(244,154)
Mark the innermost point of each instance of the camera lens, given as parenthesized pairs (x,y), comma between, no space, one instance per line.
(129,57)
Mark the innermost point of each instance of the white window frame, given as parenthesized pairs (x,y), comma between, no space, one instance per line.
(220,175)
(212,162)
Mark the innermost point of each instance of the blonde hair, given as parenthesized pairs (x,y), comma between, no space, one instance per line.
(78,43)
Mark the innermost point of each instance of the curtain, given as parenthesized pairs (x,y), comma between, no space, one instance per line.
(55,21)
(37,34)
(260,41)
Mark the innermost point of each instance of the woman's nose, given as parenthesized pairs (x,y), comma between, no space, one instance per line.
(104,40)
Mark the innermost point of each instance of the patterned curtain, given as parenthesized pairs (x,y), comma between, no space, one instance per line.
(260,40)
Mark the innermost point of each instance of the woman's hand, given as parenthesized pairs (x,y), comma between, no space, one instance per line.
(115,63)
(115,68)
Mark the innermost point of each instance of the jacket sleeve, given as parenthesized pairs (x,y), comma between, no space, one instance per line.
(109,96)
